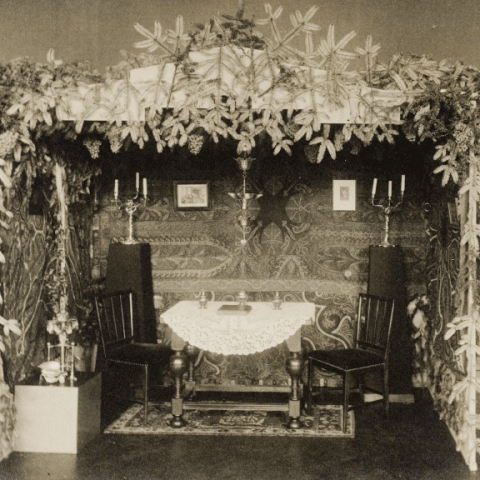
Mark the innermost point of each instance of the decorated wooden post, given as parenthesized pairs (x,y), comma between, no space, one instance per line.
(467,321)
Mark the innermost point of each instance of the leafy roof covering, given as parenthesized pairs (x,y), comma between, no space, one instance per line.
(230,79)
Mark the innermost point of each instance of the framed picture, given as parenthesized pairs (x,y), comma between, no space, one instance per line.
(344,193)
(192,195)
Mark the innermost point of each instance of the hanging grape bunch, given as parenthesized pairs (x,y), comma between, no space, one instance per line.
(93,146)
(464,137)
(195,143)
(339,140)
(114,136)
(7,142)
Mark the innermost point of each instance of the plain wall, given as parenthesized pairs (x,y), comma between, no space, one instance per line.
(96,30)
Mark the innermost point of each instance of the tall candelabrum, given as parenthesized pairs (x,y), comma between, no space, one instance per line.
(131,203)
(389,206)
(244,162)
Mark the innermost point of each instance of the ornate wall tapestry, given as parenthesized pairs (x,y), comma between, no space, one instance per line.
(298,245)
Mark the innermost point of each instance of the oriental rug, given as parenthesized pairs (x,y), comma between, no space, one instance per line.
(325,422)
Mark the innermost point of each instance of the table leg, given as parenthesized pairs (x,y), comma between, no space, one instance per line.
(178,366)
(191,353)
(294,368)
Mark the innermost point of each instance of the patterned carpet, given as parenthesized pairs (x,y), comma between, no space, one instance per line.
(325,422)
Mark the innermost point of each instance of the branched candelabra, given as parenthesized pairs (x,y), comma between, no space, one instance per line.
(245,197)
(388,206)
(131,203)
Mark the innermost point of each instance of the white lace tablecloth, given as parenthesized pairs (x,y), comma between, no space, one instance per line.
(260,329)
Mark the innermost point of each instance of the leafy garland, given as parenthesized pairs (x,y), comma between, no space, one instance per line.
(33,93)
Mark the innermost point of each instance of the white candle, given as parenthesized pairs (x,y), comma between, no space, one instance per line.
(116,190)
(137,181)
(144,187)
(374,188)
(389,189)
(402,188)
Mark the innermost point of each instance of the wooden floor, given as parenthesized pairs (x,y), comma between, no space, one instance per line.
(414,444)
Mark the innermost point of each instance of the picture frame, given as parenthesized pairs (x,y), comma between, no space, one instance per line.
(192,195)
(344,195)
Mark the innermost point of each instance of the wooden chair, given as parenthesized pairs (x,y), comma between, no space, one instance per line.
(370,353)
(116,319)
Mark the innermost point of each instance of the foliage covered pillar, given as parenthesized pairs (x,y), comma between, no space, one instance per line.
(467,324)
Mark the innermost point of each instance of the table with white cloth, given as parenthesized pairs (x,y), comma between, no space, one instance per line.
(235,333)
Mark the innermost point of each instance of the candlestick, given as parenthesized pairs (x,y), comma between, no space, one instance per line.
(130,203)
(387,206)
(203,300)
(245,197)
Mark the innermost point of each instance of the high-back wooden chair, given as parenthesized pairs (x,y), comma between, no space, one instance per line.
(116,319)
(370,352)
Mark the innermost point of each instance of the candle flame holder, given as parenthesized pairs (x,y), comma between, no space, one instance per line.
(130,204)
(244,163)
(388,207)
